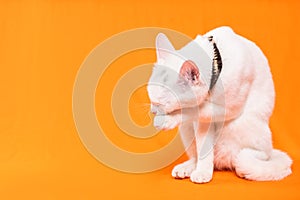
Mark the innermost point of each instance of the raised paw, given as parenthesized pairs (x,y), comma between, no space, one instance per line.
(184,170)
(166,122)
(201,176)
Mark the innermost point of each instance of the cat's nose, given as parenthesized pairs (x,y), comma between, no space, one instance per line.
(154,108)
(153,112)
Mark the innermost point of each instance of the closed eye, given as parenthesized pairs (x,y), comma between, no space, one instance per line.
(155,104)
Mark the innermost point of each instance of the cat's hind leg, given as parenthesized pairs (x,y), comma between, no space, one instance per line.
(256,159)
(185,169)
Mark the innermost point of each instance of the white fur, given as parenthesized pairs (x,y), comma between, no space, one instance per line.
(230,124)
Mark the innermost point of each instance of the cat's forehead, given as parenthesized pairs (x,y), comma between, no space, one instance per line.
(171,63)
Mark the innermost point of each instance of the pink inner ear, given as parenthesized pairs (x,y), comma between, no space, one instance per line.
(190,71)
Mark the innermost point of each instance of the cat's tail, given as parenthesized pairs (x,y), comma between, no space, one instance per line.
(256,165)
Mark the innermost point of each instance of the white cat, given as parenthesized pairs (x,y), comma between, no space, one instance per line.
(219,90)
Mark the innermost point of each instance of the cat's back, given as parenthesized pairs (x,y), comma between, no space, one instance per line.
(241,54)
(244,60)
(235,51)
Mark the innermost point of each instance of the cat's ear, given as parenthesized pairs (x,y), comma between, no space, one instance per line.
(163,46)
(190,72)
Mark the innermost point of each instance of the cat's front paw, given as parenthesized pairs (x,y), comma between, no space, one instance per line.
(201,176)
(171,107)
(184,170)
(166,122)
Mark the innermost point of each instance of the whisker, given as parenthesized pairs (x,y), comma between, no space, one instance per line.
(143,108)
(142,105)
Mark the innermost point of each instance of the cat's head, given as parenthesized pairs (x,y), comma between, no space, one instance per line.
(176,81)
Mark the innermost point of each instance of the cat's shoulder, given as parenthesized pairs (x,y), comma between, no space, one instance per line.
(223,36)
(227,38)
(222,30)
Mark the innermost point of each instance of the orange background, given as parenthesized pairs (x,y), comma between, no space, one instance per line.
(42,45)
